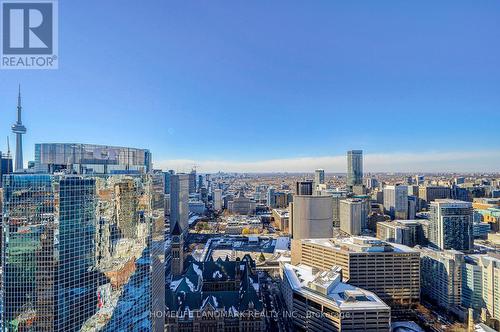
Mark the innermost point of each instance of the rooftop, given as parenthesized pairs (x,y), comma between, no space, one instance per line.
(360,244)
(327,285)
(450,201)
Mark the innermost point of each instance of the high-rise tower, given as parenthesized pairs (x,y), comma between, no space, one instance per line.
(354,168)
(19,130)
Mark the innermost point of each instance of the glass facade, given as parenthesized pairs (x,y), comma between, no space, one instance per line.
(354,168)
(90,159)
(179,198)
(452,226)
(81,253)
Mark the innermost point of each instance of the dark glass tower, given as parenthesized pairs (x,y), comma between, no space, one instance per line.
(81,253)
(354,168)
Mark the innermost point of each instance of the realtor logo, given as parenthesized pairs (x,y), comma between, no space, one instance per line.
(29,34)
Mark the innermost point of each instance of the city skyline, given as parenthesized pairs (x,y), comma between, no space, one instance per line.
(250,166)
(403,85)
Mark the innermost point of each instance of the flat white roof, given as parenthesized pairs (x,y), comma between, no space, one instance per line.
(359,244)
(341,295)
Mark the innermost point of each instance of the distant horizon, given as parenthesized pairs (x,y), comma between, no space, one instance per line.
(430,162)
(404,162)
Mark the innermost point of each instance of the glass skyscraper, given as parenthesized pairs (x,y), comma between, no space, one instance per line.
(354,168)
(90,159)
(81,253)
(451,224)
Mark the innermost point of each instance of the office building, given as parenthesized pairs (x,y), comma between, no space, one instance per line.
(354,168)
(197,207)
(78,251)
(480,230)
(5,166)
(179,201)
(412,207)
(413,190)
(200,182)
(19,129)
(311,217)
(451,224)
(353,216)
(441,275)
(430,193)
(371,183)
(472,284)
(304,187)
(281,218)
(192,182)
(278,199)
(481,285)
(419,180)
(158,189)
(166,181)
(337,197)
(461,194)
(396,201)
(406,232)
(217,199)
(319,177)
(391,271)
(242,205)
(90,159)
(490,215)
(283,198)
(271,198)
(320,301)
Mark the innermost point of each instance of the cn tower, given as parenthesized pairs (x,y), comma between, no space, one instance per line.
(19,130)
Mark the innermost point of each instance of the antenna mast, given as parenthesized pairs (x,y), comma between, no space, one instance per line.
(8,155)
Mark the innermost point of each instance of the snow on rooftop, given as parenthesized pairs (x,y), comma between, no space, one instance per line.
(190,285)
(309,281)
(282,243)
(197,270)
(174,284)
(360,244)
(193,219)
(208,298)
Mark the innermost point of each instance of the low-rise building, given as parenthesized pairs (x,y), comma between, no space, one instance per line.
(281,219)
(197,207)
(242,205)
(243,224)
(490,215)
(219,295)
(494,238)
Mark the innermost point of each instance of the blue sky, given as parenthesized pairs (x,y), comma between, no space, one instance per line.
(285,84)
